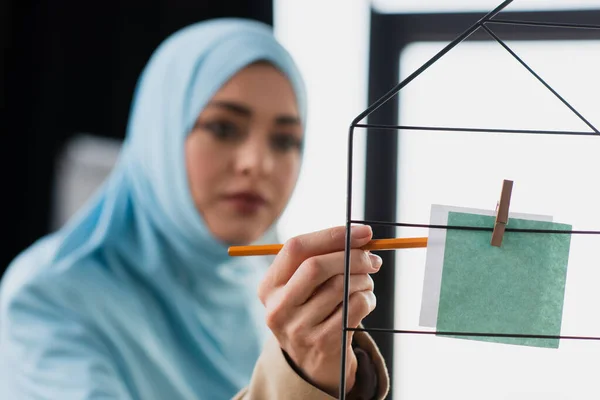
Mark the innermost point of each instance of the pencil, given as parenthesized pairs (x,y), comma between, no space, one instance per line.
(376,244)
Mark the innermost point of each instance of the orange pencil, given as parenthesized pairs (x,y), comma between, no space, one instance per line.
(376,244)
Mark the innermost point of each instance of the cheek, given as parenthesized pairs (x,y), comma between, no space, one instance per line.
(203,168)
(287,176)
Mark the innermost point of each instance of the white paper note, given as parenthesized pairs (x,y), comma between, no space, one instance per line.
(434,262)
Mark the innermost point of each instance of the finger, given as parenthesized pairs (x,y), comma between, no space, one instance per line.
(302,247)
(282,301)
(315,271)
(360,304)
(298,249)
(329,296)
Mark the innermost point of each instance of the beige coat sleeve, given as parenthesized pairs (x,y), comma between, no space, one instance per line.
(275,379)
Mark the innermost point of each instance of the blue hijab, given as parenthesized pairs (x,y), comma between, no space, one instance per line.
(134,298)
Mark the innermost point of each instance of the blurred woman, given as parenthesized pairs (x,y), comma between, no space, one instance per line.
(137,298)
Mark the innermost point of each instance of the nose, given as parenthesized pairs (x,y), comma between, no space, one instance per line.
(254,158)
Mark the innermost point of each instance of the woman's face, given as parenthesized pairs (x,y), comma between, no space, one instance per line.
(243,155)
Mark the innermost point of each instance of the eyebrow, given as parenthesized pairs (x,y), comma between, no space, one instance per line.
(247,112)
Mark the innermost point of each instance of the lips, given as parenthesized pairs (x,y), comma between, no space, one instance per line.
(246,201)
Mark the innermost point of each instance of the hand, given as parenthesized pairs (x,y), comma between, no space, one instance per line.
(303,294)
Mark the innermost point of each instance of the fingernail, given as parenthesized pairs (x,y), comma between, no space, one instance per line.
(360,231)
(376,261)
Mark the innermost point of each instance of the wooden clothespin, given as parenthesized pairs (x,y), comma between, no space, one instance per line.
(502,213)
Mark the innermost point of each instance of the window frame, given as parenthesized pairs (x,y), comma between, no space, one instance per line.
(389,35)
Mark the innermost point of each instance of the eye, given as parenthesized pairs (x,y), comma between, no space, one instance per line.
(286,142)
(223,130)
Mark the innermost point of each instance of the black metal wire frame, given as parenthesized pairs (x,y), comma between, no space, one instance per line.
(481,24)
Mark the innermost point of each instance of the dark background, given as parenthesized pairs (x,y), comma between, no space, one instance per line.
(68,67)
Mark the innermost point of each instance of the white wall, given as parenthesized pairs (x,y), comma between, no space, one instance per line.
(329,40)
(553,175)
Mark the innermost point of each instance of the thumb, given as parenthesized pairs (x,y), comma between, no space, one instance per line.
(302,247)
(327,241)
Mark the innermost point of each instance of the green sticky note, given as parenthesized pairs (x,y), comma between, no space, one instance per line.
(517,288)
